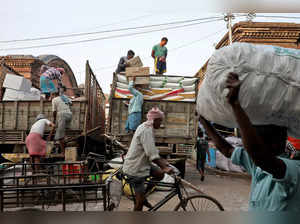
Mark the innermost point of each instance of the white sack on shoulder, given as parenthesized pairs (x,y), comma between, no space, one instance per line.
(270,90)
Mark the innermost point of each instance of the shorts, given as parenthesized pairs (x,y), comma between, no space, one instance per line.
(133,121)
(64,120)
(138,183)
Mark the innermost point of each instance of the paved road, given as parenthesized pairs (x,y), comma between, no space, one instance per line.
(232,192)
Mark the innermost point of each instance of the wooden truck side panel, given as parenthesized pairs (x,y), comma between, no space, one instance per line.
(179,125)
(20,115)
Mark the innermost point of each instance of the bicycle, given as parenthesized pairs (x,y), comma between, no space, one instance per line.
(187,202)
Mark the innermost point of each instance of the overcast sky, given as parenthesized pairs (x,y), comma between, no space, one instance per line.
(189,47)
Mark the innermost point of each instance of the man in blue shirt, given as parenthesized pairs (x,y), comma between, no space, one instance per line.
(134,108)
(275,179)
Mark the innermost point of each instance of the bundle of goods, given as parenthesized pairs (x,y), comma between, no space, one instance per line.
(18,88)
(161,88)
(270,89)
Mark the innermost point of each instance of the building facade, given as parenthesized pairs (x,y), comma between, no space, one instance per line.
(279,34)
(29,66)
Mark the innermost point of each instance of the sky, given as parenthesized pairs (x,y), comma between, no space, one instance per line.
(189,47)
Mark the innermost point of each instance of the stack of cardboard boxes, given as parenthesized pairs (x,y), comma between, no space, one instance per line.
(137,70)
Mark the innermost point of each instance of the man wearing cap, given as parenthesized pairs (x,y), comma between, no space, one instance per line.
(138,164)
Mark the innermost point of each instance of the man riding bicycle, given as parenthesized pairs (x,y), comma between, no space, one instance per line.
(142,153)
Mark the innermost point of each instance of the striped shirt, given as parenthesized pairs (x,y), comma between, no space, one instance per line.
(52,73)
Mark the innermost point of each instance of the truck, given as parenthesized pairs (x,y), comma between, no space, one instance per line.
(177,136)
(17,117)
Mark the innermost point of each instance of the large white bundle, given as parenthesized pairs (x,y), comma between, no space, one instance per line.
(270,90)
(15,95)
(122,78)
(17,82)
(222,162)
(188,81)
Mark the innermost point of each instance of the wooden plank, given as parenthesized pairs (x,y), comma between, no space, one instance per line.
(16,114)
(27,117)
(42,106)
(188,119)
(2,115)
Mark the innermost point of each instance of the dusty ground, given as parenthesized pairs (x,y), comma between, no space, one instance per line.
(231,192)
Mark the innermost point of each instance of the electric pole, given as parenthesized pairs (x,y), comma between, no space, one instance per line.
(228,18)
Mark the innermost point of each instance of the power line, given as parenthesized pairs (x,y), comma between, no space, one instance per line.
(107,31)
(108,37)
(279,17)
(173,49)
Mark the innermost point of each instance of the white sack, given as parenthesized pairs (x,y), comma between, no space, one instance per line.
(17,82)
(122,78)
(222,162)
(188,81)
(122,85)
(172,85)
(174,79)
(189,88)
(15,95)
(270,90)
(156,84)
(157,78)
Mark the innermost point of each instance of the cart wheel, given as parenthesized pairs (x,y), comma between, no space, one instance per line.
(199,203)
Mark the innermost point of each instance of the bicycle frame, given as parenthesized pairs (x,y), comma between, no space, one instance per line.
(175,191)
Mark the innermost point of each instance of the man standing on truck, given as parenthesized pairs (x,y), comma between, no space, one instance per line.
(63,115)
(159,54)
(123,63)
(134,108)
(142,153)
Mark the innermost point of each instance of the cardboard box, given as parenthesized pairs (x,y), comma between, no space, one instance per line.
(135,62)
(71,154)
(137,71)
(16,82)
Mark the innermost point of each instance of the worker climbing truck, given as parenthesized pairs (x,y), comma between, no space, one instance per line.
(176,97)
(17,116)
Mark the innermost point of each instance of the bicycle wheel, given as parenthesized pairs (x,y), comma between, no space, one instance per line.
(199,203)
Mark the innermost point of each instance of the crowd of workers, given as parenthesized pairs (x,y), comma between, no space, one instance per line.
(275,176)
(62,115)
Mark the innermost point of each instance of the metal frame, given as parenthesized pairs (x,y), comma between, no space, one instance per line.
(24,188)
(175,191)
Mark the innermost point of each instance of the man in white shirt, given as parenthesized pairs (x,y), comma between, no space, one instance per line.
(35,143)
(63,115)
(141,154)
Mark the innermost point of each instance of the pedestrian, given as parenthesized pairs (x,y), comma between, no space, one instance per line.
(123,63)
(159,54)
(62,116)
(134,108)
(47,75)
(141,154)
(202,149)
(35,143)
(275,178)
